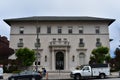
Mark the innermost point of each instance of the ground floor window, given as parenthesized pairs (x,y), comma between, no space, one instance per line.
(82,58)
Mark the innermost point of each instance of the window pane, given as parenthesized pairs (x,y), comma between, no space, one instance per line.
(69,30)
(97,30)
(38,30)
(81,41)
(48,29)
(21,30)
(59,30)
(21,40)
(80,30)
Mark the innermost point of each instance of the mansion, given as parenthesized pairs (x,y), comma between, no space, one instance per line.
(61,42)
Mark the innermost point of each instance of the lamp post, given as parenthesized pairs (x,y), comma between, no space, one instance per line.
(37,45)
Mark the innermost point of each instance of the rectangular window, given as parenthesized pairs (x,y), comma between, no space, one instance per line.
(20,44)
(70,30)
(97,40)
(21,30)
(97,30)
(38,40)
(81,30)
(54,39)
(98,43)
(59,30)
(81,41)
(21,40)
(38,29)
(49,29)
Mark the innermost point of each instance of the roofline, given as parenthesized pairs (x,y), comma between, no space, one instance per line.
(58,18)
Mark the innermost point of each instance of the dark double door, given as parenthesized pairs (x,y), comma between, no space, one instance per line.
(59,61)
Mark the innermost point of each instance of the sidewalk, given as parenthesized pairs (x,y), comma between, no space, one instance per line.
(114,74)
(58,76)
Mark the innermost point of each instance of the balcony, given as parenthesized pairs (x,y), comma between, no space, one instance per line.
(59,44)
(20,44)
(98,44)
(81,44)
(37,44)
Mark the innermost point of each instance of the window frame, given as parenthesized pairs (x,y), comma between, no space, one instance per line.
(70,30)
(59,30)
(49,29)
(21,30)
(80,29)
(97,30)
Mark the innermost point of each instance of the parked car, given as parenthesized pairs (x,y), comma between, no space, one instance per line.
(26,75)
(94,70)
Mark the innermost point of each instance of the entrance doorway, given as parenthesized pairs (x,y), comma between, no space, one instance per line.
(59,61)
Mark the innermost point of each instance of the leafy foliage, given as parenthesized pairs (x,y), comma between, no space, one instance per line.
(117,58)
(25,56)
(99,55)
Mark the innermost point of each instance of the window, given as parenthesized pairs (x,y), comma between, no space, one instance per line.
(81,30)
(98,43)
(38,55)
(54,39)
(73,58)
(81,43)
(65,39)
(82,58)
(21,40)
(38,40)
(21,30)
(70,30)
(59,30)
(45,58)
(37,63)
(97,30)
(49,29)
(20,44)
(59,39)
(38,29)
(37,44)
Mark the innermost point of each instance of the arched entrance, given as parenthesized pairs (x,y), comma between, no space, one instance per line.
(59,61)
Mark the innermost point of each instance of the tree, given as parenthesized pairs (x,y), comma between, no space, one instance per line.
(99,55)
(25,56)
(117,58)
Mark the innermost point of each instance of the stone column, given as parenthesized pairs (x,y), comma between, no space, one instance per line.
(53,60)
(67,60)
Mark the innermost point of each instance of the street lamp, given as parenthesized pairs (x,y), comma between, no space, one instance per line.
(37,45)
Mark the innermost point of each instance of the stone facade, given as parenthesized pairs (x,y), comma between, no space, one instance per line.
(63,42)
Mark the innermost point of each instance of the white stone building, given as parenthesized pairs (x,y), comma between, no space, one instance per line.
(63,42)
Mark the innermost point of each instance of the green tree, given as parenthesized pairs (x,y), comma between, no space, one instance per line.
(117,58)
(25,56)
(99,55)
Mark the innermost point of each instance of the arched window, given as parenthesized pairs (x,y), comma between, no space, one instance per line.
(82,58)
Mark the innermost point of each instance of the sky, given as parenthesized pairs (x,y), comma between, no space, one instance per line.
(92,8)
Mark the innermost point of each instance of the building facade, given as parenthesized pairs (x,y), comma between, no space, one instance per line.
(62,43)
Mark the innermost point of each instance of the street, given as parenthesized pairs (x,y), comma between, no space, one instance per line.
(87,79)
(65,76)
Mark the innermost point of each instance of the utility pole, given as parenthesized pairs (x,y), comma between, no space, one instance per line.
(37,45)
